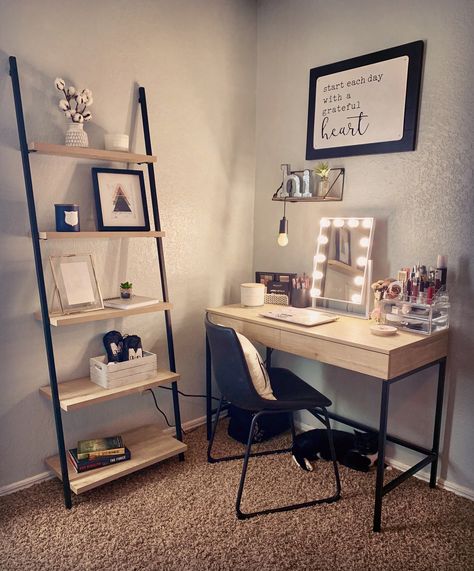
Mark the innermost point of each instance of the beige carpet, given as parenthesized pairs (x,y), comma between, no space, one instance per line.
(180,515)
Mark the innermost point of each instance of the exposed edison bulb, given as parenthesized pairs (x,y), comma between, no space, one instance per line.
(367,223)
(338,222)
(317,275)
(282,239)
(283,232)
(361,261)
(322,239)
(319,258)
(324,223)
(364,242)
(315,292)
(353,223)
(356,298)
(359,280)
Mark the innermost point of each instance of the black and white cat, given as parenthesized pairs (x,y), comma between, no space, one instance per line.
(356,450)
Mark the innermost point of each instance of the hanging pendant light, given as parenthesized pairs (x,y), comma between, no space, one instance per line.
(283,231)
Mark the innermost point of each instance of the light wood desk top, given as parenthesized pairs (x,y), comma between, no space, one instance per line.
(346,343)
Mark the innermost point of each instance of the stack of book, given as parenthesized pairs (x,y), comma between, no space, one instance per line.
(97,453)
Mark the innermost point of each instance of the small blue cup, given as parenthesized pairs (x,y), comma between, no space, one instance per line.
(67,217)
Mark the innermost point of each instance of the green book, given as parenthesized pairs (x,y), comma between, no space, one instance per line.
(97,447)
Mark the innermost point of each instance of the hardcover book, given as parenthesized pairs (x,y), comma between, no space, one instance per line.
(85,465)
(98,447)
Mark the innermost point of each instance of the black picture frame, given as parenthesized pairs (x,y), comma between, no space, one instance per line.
(129,204)
(414,52)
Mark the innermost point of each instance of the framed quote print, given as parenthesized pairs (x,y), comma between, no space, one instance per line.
(365,105)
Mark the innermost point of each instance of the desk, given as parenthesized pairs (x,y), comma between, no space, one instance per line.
(348,343)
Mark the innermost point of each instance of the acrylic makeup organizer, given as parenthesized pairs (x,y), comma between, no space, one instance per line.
(422,318)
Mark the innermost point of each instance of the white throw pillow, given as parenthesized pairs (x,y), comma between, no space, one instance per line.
(258,372)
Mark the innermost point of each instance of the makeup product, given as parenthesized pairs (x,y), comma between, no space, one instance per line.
(441,273)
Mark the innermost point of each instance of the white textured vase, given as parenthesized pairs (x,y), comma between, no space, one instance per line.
(76,136)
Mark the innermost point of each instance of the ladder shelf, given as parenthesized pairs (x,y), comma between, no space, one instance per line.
(148,444)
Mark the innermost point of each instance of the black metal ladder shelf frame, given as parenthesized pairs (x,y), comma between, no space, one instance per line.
(35,238)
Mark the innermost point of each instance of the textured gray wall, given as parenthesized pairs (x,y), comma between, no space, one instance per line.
(197,63)
(422,200)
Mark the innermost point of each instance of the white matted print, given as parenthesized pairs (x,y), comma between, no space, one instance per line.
(120,199)
(361,105)
(76,283)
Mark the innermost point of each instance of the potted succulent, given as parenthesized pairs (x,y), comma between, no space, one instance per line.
(75,105)
(126,289)
(322,170)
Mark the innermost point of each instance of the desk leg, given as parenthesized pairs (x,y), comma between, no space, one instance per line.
(437,425)
(208,390)
(381,455)
(268,358)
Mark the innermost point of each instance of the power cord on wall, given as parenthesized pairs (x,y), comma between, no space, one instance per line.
(181,393)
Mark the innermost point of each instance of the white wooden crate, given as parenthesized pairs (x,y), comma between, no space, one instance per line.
(111,375)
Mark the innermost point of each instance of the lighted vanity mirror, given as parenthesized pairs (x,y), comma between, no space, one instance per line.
(341,265)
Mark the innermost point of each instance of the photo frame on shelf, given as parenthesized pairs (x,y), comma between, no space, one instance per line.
(76,283)
(120,200)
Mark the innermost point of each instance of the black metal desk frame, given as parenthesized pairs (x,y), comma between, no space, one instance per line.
(430,456)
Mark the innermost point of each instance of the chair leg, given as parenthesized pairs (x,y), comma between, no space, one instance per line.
(293,431)
(330,499)
(241,515)
(333,454)
(210,459)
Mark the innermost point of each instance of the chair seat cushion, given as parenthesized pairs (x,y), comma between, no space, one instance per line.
(292,392)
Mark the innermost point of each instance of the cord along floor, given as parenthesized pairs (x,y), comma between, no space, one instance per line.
(180,515)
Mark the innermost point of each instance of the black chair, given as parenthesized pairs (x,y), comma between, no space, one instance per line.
(292,394)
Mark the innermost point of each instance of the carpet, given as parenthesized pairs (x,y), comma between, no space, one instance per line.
(180,516)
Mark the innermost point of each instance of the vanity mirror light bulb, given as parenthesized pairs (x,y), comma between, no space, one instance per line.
(322,239)
(317,275)
(364,242)
(367,223)
(359,280)
(361,261)
(356,298)
(338,222)
(324,223)
(353,223)
(314,292)
(319,258)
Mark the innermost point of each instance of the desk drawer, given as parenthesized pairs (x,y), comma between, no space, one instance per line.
(268,336)
(345,356)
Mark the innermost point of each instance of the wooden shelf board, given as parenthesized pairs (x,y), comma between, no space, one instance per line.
(76,235)
(88,153)
(102,314)
(344,268)
(83,392)
(148,445)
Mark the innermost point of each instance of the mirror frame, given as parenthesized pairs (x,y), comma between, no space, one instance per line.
(346,307)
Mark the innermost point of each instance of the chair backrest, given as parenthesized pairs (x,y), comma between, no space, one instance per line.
(230,367)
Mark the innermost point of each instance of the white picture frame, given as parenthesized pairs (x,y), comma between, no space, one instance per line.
(76,283)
